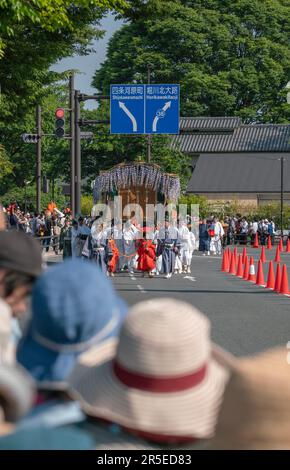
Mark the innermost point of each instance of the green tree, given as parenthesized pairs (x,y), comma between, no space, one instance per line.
(48,15)
(36,34)
(231,58)
(6,167)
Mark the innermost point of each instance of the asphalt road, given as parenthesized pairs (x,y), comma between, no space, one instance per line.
(245,318)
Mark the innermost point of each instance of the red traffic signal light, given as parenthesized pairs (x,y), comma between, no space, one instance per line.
(59,123)
(59,113)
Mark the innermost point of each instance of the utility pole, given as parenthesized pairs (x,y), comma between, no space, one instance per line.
(72,142)
(282,195)
(78,175)
(149,136)
(38,159)
(76,138)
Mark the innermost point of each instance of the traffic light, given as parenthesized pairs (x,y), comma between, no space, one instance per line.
(30,138)
(59,123)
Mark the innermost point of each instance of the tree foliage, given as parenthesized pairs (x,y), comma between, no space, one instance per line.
(231,58)
(36,34)
(48,15)
(6,167)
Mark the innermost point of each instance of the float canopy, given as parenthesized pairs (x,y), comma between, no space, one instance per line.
(126,175)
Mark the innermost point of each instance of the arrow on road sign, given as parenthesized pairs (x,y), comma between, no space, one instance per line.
(129,114)
(190,278)
(160,114)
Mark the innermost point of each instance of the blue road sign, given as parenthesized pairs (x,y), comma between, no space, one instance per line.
(127,103)
(144,109)
(162,109)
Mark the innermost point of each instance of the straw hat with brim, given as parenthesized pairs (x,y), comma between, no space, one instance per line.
(160,378)
(255,414)
(74,307)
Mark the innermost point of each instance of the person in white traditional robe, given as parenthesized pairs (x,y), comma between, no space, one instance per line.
(218,235)
(130,235)
(83,232)
(192,247)
(168,245)
(95,245)
(185,246)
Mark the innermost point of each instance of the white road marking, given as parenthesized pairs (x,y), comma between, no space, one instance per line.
(190,278)
(141,289)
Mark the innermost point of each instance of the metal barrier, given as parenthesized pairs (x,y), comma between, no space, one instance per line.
(240,239)
(54,242)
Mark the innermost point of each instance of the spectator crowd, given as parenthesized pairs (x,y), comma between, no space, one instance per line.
(79,369)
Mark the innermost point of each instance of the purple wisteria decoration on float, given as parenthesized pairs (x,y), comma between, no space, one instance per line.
(137,174)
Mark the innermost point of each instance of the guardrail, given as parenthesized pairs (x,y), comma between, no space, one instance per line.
(241,239)
(53,242)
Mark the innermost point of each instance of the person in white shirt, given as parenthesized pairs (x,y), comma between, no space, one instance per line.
(218,235)
(192,246)
(254,227)
(184,237)
(130,234)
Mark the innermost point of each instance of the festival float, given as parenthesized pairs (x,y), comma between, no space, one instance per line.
(137,183)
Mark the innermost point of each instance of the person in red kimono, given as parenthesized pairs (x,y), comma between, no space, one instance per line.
(146,255)
(112,257)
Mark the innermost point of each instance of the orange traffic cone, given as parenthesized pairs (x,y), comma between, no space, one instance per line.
(225,262)
(240,267)
(246,269)
(271,277)
(244,255)
(252,276)
(281,245)
(269,243)
(284,286)
(260,281)
(263,255)
(236,254)
(277,257)
(288,246)
(256,242)
(277,279)
(233,265)
(229,259)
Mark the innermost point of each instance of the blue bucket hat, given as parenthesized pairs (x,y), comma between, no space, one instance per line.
(74,307)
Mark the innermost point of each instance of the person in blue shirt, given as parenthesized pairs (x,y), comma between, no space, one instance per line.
(204,238)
